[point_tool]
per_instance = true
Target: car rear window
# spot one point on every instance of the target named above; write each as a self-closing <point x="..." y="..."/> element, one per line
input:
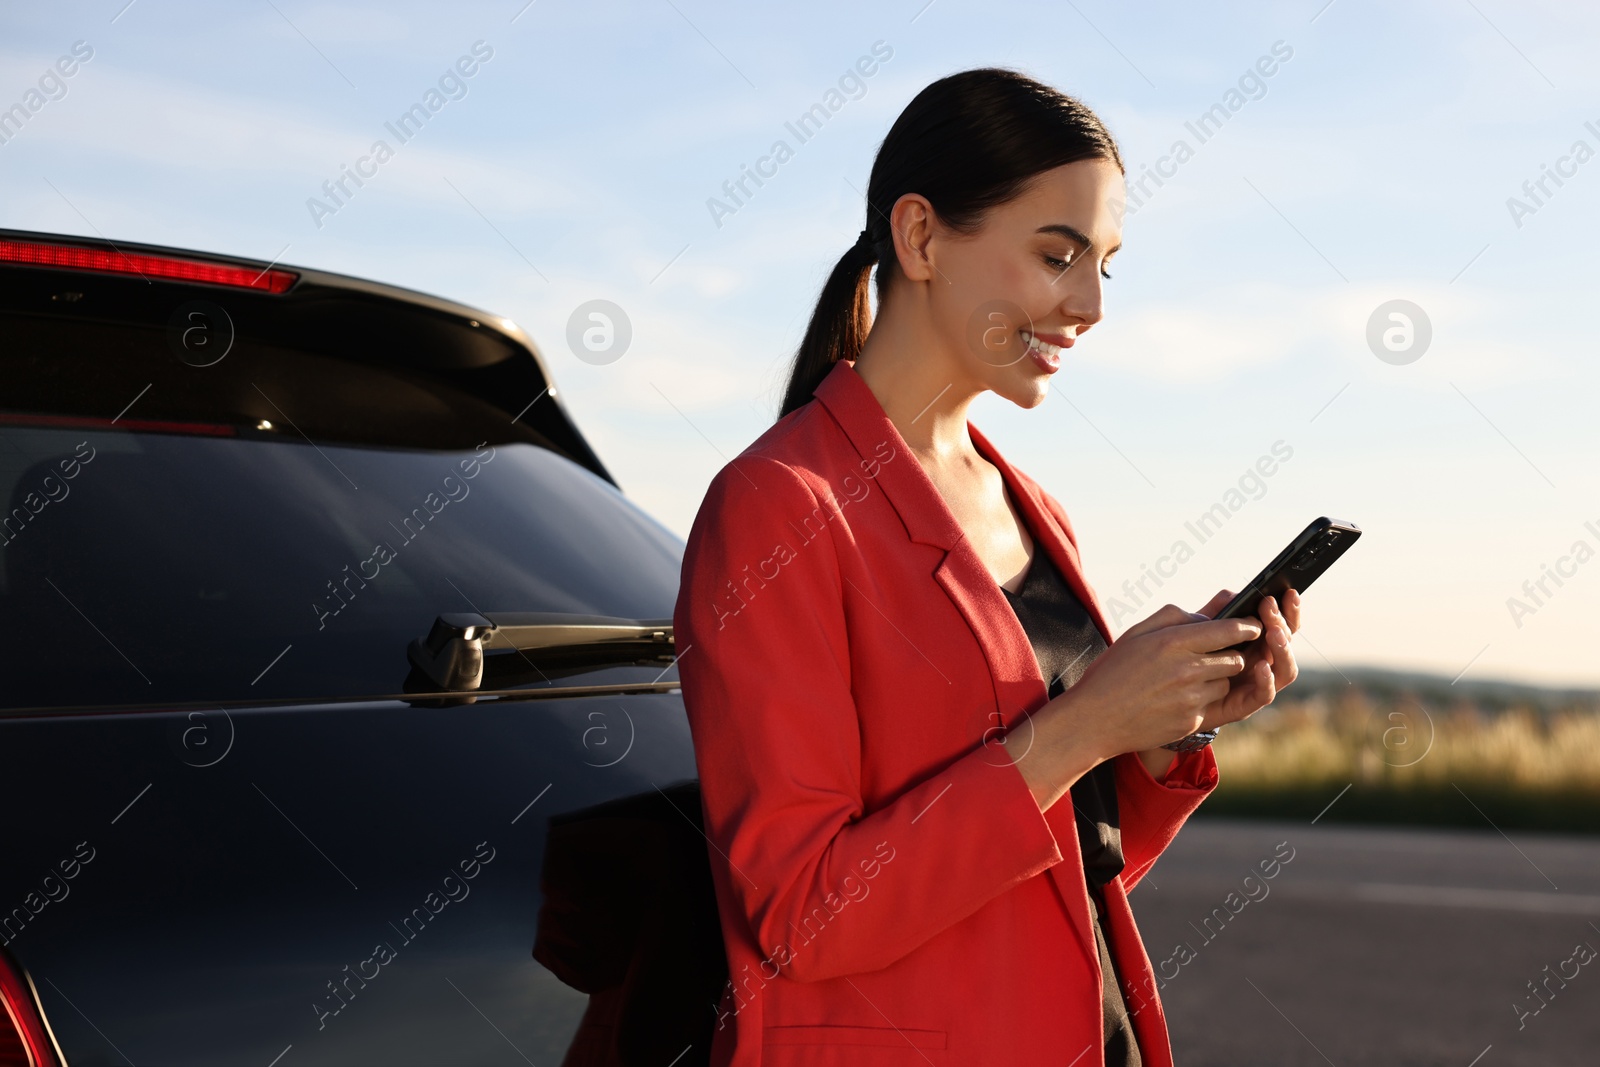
<point x="219" y="565"/>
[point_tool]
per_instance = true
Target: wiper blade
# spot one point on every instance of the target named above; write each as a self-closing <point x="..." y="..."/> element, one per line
<point x="452" y="656"/>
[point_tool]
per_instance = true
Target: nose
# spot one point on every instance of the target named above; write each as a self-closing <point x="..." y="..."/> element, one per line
<point x="1082" y="298"/>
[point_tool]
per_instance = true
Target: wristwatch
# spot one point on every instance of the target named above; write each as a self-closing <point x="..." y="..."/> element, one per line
<point x="1194" y="742"/>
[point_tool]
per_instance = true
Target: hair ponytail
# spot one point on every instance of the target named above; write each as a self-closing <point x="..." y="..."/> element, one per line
<point x="966" y="142"/>
<point x="839" y="323"/>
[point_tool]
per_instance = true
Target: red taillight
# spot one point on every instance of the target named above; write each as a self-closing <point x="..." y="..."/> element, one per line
<point x="25" y="1038"/>
<point x="72" y="257"/>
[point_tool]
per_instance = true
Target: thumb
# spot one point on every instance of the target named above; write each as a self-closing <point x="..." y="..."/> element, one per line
<point x="1217" y="603"/>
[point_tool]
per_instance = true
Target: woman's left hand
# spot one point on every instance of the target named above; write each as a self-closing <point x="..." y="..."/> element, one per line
<point x="1269" y="664"/>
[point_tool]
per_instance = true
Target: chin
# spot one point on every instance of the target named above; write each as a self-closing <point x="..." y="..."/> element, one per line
<point x="1025" y="394"/>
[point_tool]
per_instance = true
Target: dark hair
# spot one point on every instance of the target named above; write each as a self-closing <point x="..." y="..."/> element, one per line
<point x="967" y="142"/>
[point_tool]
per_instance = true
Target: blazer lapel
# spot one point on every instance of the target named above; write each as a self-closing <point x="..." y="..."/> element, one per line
<point x="1051" y="536"/>
<point x="1019" y="687"/>
<point x="928" y="520"/>
<point x="1062" y="818"/>
<point x="1013" y="669"/>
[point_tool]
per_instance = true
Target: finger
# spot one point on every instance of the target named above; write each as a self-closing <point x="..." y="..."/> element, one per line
<point x="1266" y="686"/>
<point x="1214" y="634"/>
<point x="1213" y="693"/>
<point x="1254" y="653"/>
<point x="1278" y="632"/>
<point x="1168" y="615"/>
<point x="1291" y="609"/>
<point x="1221" y="665"/>
<point x="1217" y="603"/>
<point x="1246" y="698"/>
<point x="1220" y="695"/>
<point x="1258" y="692"/>
<point x="1285" y="668"/>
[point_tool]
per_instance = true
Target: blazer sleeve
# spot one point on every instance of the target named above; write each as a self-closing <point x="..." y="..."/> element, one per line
<point x="765" y="666"/>
<point x="1150" y="812"/>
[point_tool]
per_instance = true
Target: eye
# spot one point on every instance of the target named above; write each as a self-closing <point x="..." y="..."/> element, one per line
<point x="1060" y="265"/>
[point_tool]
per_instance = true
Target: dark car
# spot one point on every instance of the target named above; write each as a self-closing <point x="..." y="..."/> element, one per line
<point x="338" y="685"/>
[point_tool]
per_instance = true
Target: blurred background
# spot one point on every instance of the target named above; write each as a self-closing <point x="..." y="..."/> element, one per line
<point x="1370" y="260"/>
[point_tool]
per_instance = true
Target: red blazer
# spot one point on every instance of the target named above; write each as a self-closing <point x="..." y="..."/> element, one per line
<point x="889" y="891"/>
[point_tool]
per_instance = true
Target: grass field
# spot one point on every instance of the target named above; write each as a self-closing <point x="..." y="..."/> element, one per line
<point x="1416" y="749"/>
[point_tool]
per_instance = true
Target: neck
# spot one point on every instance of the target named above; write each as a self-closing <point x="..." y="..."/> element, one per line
<point x="921" y="387"/>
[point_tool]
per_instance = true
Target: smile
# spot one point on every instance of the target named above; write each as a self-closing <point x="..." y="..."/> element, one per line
<point x="1046" y="355"/>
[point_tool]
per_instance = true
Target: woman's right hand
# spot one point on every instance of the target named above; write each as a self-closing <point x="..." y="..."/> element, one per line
<point x="1151" y="686"/>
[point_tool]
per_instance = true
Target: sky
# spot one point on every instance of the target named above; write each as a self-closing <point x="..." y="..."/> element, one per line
<point x="1384" y="159"/>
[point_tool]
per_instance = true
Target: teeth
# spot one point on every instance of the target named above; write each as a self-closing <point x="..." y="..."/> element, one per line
<point x="1042" y="347"/>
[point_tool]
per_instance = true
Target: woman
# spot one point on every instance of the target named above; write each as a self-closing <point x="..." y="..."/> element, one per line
<point x="922" y="849"/>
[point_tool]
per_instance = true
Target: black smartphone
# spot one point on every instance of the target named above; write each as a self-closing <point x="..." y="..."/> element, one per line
<point x="1296" y="567"/>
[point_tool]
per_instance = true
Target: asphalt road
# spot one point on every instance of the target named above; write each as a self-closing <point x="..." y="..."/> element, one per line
<point x="1375" y="946"/>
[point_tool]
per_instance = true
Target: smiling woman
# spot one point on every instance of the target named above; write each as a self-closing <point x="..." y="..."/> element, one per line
<point x="935" y="675"/>
<point x="1017" y="141"/>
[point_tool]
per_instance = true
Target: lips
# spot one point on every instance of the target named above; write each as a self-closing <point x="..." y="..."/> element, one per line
<point x="1046" y="349"/>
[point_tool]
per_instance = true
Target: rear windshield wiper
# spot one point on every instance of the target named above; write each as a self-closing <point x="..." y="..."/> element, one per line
<point x="529" y="646"/>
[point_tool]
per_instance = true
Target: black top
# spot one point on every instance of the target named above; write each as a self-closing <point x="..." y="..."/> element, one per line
<point x="1065" y="641"/>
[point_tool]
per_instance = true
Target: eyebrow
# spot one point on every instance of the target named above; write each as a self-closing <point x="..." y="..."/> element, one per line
<point x="1075" y="234"/>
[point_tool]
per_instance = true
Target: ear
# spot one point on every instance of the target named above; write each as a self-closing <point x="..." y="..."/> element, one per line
<point x="913" y="222"/>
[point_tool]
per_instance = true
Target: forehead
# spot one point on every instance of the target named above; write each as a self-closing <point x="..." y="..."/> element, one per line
<point x="1088" y="196"/>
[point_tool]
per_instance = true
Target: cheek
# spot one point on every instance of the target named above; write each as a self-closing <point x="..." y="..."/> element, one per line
<point x="987" y="267"/>
<point x="988" y="286"/>
<point x="981" y="279"/>
<point x="1018" y="273"/>
<point x="1008" y="272"/>
<point x="1042" y="290"/>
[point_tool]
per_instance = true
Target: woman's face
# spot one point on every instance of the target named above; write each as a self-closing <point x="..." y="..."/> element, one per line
<point x="1011" y="299"/>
